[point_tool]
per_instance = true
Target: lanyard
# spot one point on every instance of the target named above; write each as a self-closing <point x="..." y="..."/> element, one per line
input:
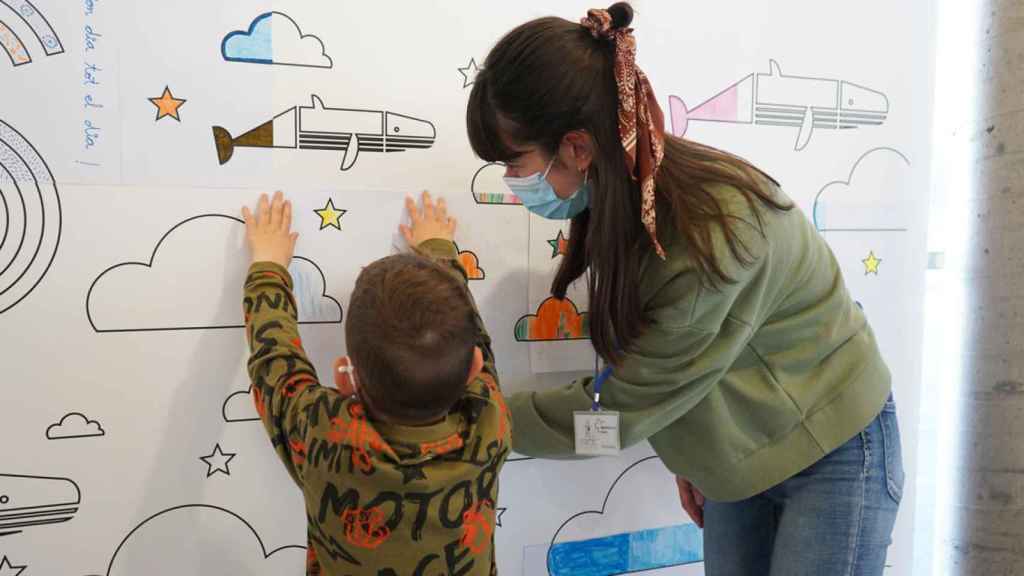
<point x="598" y="381"/>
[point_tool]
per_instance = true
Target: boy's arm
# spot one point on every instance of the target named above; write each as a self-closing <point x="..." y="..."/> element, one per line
<point x="284" y="383"/>
<point x="446" y="253"/>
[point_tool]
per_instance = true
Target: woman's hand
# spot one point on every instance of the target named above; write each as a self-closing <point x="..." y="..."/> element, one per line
<point x="693" y="501"/>
<point x="269" y="230"/>
<point x="429" y="222"/>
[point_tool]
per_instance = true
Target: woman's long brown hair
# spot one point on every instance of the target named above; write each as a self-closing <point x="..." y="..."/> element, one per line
<point x="548" y="77"/>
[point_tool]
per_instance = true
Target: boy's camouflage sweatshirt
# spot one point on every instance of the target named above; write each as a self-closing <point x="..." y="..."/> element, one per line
<point x="381" y="499"/>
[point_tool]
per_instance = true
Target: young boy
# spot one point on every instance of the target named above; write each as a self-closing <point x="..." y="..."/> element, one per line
<point x="399" y="465"/>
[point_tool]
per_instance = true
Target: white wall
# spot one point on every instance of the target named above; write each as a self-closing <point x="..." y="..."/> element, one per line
<point x="125" y="180"/>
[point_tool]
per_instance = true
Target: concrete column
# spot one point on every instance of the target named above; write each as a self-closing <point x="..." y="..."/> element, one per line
<point x="988" y="526"/>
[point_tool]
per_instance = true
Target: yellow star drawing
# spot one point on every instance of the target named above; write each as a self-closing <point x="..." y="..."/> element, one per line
<point x="167" y="105"/>
<point x="329" y="215"/>
<point x="871" y="264"/>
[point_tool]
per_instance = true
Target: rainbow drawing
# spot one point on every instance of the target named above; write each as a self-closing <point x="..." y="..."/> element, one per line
<point x="13" y="46"/>
<point x="11" y="43"/>
<point x="30" y="217"/>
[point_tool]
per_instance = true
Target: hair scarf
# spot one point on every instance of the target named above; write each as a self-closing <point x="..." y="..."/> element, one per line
<point x="641" y="121"/>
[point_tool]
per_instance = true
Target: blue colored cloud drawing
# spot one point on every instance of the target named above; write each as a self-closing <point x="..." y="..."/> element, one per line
<point x="627" y="535"/>
<point x="274" y="38"/>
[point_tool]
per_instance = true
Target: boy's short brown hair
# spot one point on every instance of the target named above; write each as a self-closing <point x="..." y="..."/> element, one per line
<point x="411" y="332"/>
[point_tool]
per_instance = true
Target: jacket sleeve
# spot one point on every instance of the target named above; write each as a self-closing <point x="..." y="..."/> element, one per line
<point x="285" y="388"/>
<point x="446" y="253"/>
<point x="691" y="341"/>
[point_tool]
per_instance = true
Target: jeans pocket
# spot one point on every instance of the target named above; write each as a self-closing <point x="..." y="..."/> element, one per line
<point x="894" y="474"/>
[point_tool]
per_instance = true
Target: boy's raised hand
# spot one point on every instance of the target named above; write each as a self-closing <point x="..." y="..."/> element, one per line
<point x="269" y="230"/>
<point x="427" y="222"/>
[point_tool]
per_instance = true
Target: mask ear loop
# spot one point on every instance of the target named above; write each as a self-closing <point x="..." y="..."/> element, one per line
<point x="548" y="169"/>
<point x="586" y="176"/>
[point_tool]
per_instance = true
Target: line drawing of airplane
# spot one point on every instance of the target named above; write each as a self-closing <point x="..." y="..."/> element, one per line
<point x="27" y="501"/>
<point x="775" y="99"/>
<point x="317" y="127"/>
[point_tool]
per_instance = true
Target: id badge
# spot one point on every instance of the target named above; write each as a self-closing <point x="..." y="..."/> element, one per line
<point x="596" y="432"/>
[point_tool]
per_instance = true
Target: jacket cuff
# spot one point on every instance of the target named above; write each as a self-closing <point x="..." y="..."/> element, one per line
<point x="438" y="249"/>
<point x="273" y="267"/>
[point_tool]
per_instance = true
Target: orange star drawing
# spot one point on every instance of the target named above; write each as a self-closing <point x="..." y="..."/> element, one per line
<point x="167" y="105"/>
<point x="559" y="245"/>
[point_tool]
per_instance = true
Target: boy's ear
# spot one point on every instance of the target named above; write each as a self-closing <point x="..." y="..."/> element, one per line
<point x="478" y="364"/>
<point x="344" y="377"/>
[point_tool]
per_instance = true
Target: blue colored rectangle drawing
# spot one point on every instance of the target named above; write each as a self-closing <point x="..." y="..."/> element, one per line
<point x="627" y="552"/>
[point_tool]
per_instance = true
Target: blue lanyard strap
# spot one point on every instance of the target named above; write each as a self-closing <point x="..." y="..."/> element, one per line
<point x="598" y="381"/>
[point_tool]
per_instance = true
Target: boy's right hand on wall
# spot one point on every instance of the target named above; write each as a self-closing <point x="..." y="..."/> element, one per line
<point x="269" y="230"/>
<point x="427" y="222"/>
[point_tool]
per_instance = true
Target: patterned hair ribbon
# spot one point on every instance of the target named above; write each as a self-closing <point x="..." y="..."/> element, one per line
<point x="641" y="121"/>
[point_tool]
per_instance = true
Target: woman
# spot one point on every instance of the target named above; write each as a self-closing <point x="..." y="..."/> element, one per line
<point x="733" y="344"/>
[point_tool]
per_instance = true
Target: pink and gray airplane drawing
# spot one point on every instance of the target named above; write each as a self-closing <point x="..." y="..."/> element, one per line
<point x="774" y="99"/>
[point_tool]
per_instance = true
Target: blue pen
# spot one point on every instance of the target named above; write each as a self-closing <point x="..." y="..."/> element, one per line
<point x="598" y="381"/>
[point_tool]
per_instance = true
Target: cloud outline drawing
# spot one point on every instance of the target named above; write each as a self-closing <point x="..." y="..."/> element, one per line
<point x="80" y="427"/>
<point x="149" y="265"/>
<point x="482" y="179"/>
<point x="564" y="564"/>
<point x="526" y="329"/>
<point x="237" y="404"/>
<point x="818" y="207"/>
<point x="471" y="263"/>
<point x="195" y="509"/>
<point x="256" y="46"/>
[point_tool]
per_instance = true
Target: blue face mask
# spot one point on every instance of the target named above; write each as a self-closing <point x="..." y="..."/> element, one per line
<point x="539" y="197"/>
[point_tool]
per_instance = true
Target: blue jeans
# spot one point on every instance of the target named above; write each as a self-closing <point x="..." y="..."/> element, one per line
<point x="835" y="518"/>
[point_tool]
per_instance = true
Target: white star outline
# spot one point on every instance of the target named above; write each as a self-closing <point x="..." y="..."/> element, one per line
<point x="217" y="461"/>
<point x="8" y="569"/>
<point x="469" y="72"/>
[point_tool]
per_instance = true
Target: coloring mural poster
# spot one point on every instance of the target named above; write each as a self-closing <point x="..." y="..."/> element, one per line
<point x="131" y="133"/>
